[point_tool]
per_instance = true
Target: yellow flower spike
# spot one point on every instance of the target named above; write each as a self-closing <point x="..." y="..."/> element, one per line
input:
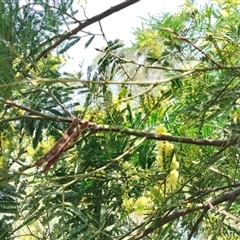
<point x="142" y="201"/>
<point x="139" y="211"/>
<point x="159" y="189"/>
<point x="174" y="158"/>
<point x="30" y="151"/>
<point x="160" y="147"/>
<point x="168" y="147"/>
<point x="128" y="203"/>
<point x="173" y="176"/>
<point x="49" y="143"/>
<point x="165" y="146"/>
<point x="174" y="163"/>
<point x="160" y="129"/>
<point x="172" y="179"/>
<point x="160" y="162"/>
<point x="141" y="205"/>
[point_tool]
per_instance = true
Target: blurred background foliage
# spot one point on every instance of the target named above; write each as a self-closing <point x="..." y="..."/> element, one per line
<point x="110" y="185"/>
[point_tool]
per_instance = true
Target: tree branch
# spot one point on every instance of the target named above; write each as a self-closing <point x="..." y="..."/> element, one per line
<point x="86" y="23"/>
<point x="228" y="196"/>
<point x="130" y="131"/>
<point x="225" y="213"/>
<point x="32" y="111"/>
<point x="154" y="136"/>
<point x="178" y="36"/>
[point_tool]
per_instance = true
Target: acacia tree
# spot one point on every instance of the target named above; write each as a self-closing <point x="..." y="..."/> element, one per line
<point x="141" y="158"/>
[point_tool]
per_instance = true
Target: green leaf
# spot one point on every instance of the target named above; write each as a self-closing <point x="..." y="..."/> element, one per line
<point x="75" y="40"/>
<point x="89" y="41"/>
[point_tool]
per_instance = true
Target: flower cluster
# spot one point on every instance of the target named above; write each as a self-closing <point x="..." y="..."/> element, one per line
<point x="141" y="205"/>
<point x="167" y="160"/>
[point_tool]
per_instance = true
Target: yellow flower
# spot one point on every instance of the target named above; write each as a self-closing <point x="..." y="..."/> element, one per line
<point x="165" y="146"/>
<point x="142" y="201"/>
<point x="160" y="129"/>
<point x="173" y="176"/>
<point x="30" y="150"/>
<point x="141" y="205"/>
<point x="174" y="163"/>
<point x="160" y="147"/>
<point x="160" y="162"/>
<point x="128" y="203"/>
<point x="172" y="179"/>
<point x="158" y="190"/>
<point x="168" y="147"/>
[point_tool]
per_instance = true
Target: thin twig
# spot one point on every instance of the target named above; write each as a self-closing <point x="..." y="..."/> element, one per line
<point x="224" y="212"/>
<point x="192" y="44"/>
<point x="45" y="116"/>
<point x="103" y="34"/>
<point x="35" y="117"/>
<point x="49" y="92"/>
<point x="208" y="191"/>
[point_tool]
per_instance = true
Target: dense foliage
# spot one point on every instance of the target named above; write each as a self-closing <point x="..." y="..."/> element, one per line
<point x="156" y="151"/>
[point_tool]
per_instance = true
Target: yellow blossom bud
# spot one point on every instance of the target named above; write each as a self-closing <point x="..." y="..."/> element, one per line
<point x="160" y="129"/>
<point x="30" y="150"/>
<point x="168" y="147"/>
<point x="142" y="201"/>
<point x="141" y="205"/>
<point x="165" y="146"/>
<point x="174" y="163"/>
<point x="128" y="203"/>
<point x="158" y="189"/>
<point x="159" y="158"/>
<point x="160" y="147"/>
<point x="172" y="179"/>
